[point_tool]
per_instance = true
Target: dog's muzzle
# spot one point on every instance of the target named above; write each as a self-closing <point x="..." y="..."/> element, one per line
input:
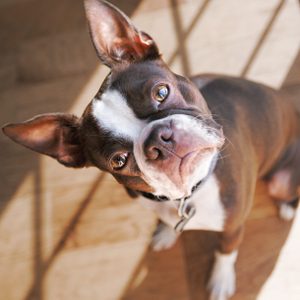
<point x="171" y="147"/>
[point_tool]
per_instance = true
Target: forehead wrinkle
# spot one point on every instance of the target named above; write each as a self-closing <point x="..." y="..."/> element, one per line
<point x="113" y="114"/>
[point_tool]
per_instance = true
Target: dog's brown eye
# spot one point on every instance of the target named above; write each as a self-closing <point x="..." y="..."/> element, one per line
<point x="119" y="160"/>
<point x="161" y="92"/>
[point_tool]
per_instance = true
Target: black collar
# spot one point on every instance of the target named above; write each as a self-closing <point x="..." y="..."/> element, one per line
<point x="165" y="198"/>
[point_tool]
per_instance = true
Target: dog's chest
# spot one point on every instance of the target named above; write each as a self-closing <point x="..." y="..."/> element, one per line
<point x="210" y="212"/>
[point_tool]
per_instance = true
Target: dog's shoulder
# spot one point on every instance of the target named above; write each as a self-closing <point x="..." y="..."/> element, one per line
<point x="257" y="106"/>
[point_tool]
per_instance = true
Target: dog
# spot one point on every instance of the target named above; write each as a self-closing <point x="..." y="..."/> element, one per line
<point x="192" y="150"/>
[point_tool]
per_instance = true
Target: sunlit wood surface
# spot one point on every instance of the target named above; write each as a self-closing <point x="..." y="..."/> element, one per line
<point x="75" y="234"/>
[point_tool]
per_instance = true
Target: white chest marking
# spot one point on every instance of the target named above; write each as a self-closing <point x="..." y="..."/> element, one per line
<point x="113" y="114"/>
<point x="210" y="213"/>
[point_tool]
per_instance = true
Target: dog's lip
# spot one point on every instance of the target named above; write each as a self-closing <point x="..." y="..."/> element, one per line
<point x="189" y="191"/>
<point x="186" y="165"/>
<point x="190" y="158"/>
<point x="193" y="189"/>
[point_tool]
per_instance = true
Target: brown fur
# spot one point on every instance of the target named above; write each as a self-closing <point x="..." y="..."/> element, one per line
<point x="262" y="132"/>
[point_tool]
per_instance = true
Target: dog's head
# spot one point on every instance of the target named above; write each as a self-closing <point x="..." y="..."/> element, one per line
<point x="150" y="128"/>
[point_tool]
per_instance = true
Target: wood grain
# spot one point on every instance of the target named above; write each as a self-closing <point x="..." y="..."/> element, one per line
<point x="75" y="234"/>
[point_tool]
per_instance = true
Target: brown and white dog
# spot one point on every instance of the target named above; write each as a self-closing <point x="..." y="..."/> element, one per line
<point x="194" y="147"/>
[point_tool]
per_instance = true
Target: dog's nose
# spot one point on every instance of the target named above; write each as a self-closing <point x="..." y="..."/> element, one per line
<point x="160" y="143"/>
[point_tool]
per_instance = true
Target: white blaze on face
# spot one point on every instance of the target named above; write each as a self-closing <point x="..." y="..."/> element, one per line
<point x="113" y="114"/>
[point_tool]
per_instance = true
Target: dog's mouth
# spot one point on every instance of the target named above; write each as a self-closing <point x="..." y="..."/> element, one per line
<point x="175" y="154"/>
<point x="189" y="161"/>
<point x="163" y="198"/>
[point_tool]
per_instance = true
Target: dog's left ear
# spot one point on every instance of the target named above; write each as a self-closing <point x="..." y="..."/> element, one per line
<point x="114" y="36"/>
<point x="56" y="135"/>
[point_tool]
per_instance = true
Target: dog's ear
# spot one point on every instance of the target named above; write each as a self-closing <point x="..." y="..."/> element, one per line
<point x="114" y="36"/>
<point x="56" y="135"/>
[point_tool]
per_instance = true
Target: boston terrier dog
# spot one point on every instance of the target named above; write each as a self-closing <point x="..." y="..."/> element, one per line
<point x="190" y="149"/>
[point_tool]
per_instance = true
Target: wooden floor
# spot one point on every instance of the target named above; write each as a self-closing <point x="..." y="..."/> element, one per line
<point x="75" y="234"/>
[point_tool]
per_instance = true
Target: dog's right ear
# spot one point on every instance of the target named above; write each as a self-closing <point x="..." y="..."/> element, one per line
<point x="56" y="135"/>
<point x="114" y="36"/>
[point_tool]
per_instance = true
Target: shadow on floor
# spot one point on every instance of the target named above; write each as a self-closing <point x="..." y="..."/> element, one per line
<point x="258" y="255"/>
<point x="15" y="110"/>
<point x="167" y="278"/>
<point x="182" y="270"/>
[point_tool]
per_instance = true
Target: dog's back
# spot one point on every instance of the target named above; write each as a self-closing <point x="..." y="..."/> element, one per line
<point x="256" y="116"/>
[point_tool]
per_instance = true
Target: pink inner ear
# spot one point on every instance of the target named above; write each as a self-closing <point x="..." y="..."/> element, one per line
<point x="145" y="38"/>
<point x="55" y="135"/>
<point x="37" y="134"/>
<point x="132" y="50"/>
<point x="126" y="50"/>
<point x="115" y="37"/>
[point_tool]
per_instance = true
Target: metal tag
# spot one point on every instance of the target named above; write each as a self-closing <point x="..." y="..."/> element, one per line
<point x="185" y="212"/>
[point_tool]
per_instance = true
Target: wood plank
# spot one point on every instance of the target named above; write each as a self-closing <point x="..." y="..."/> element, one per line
<point x="265" y="236"/>
<point x="69" y="234"/>
<point x="160" y="275"/>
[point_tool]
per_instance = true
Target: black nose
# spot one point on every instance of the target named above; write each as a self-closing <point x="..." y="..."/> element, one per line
<point x="159" y="144"/>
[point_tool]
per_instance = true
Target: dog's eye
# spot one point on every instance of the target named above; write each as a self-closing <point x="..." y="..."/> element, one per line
<point x="118" y="161"/>
<point x="161" y="92"/>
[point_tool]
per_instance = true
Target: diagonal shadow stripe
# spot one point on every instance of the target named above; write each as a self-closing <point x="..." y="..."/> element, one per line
<point x="36" y="288"/>
<point x="185" y="34"/>
<point x="262" y="39"/>
<point x="180" y="36"/>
